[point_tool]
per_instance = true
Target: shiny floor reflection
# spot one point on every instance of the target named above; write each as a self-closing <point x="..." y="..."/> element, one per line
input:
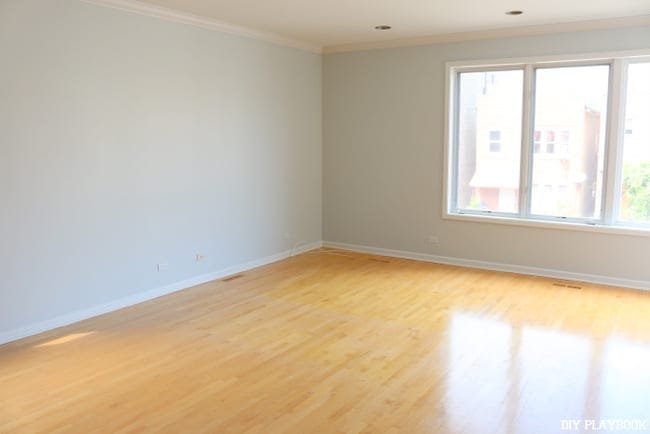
<point x="338" y="342"/>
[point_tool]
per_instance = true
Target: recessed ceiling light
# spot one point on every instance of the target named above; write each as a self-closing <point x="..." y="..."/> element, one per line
<point x="514" y="12"/>
<point x="383" y="27"/>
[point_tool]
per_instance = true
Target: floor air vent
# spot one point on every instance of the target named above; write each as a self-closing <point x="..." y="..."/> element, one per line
<point x="565" y="285"/>
<point x="229" y="278"/>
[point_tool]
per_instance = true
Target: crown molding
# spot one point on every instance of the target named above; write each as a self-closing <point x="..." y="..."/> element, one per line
<point x="143" y="8"/>
<point x="542" y="29"/>
<point x="163" y="13"/>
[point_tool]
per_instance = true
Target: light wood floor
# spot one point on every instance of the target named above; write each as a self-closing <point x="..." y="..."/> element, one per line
<point x="338" y="342"/>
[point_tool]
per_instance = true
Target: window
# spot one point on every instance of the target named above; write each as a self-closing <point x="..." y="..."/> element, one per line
<point x="550" y="142"/>
<point x="575" y="97"/>
<point x="489" y="138"/>
<point x="635" y="184"/>
<point x="563" y="142"/>
<point x="537" y="141"/>
<point x="545" y="141"/>
<point x="495" y="141"/>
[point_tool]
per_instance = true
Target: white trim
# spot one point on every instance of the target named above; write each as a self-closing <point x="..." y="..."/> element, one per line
<point x="550" y="60"/>
<point x="449" y="135"/>
<point x="495" y="266"/>
<point x="527" y="132"/>
<point x="173" y="15"/>
<point x="142" y="8"/>
<point x="614" y="151"/>
<point x="542" y="29"/>
<point x="636" y="231"/>
<point x="70" y="318"/>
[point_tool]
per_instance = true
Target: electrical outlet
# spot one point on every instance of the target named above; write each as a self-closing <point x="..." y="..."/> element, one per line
<point x="433" y="239"/>
<point x="162" y="267"/>
<point x="287" y="236"/>
<point x="199" y="257"/>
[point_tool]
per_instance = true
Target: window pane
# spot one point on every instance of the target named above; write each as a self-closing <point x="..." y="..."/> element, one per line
<point x="570" y="104"/>
<point x="489" y="140"/>
<point x="635" y="194"/>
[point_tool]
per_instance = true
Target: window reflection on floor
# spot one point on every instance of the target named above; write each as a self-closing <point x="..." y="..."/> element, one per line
<point x="625" y="390"/>
<point x="478" y="372"/>
<point x="554" y="369"/>
<point x="528" y="379"/>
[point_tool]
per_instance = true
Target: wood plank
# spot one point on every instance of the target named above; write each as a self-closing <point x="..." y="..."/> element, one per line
<point x="333" y="341"/>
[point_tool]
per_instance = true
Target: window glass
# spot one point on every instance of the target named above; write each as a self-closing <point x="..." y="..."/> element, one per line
<point x="489" y="140"/>
<point x="635" y="182"/>
<point x="571" y="109"/>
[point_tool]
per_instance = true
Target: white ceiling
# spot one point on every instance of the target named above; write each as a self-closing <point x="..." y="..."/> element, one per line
<point x="331" y="23"/>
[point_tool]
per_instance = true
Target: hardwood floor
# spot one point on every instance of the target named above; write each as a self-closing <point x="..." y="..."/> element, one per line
<point x="339" y="342"/>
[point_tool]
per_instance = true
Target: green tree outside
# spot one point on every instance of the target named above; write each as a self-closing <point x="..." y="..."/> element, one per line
<point x="636" y="191"/>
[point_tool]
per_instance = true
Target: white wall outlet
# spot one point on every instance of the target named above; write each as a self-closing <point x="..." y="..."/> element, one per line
<point x="199" y="257"/>
<point x="433" y="239"/>
<point x="287" y="236"/>
<point x="162" y="267"/>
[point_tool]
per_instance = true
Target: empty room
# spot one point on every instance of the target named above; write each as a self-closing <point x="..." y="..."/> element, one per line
<point x="344" y="216"/>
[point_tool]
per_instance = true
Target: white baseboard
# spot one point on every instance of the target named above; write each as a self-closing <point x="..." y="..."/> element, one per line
<point x="495" y="266"/>
<point x="140" y="297"/>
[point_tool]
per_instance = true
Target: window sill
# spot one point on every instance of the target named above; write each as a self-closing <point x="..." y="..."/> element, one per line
<point x="544" y="224"/>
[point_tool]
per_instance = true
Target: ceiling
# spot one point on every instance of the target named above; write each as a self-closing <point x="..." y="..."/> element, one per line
<point x="331" y="23"/>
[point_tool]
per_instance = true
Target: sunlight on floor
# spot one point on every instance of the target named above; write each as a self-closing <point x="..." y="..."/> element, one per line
<point x="65" y="339"/>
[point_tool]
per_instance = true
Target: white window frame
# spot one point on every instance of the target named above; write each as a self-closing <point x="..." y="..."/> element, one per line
<point x="613" y="148"/>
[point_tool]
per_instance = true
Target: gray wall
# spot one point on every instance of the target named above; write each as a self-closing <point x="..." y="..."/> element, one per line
<point x="383" y="159"/>
<point x="127" y="141"/>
